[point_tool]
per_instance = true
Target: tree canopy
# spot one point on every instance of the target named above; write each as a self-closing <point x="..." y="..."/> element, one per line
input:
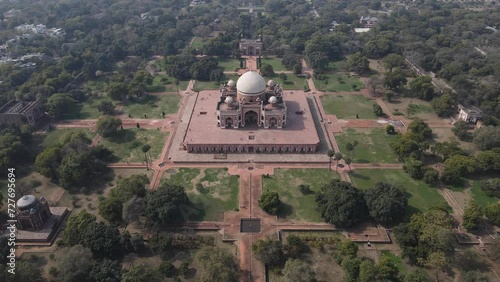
<point x="166" y="204"/>
<point x="386" y="203"/>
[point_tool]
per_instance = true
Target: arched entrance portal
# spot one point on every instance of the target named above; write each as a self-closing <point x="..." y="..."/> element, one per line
<point x="273" y="122"/>
<point x="251" y="118"/>
<point x="229" y="122"/>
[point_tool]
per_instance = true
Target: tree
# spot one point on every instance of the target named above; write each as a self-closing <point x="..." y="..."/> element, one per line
<point x="420" y="129"/>
<point x="47" y="162"/>
<point x="142" y="273"/>
<point x="318" y="61"/>
<point x="267" y="70"/>
<point x="367" y="271"/>
<point x="349" y="147"/>
<point x="330" y="155"/>
<point x="472" y="216"/>
<point x="474" y="276"/>
<point x="184" y="268"/>
<point x="166" y="204"/>
<point x="416" y="275"/>
<point x="461" y="163"/>
<point x="358" y="63"/>
<point x="492" y="212"/>
<point x="386" y="269"/>
<point x="167" y="269"/>
<point x="460" y="129"/>
<point x="438" y="261"/>
<point x="304" y="189"/>
<point x="58" y="104"/>
<point x="348" y="248"/>
<point x="75" y="227"/>
<point x="74" y="264"/>
<point x="216" y="75"/>
<point x="348" y="162"/>
<point x="218" y="265"/>
<point x="102" y="239"/>
<point x="386" y="203"/>
<point x="106" y="107"/>
<point x="395" y="79"/>
<point x="108" y="126"/>
<point x="354" y="145"/>
<point x="422" y="87"/>
<point x="488" y="161"/>
<point x="444" y="106"/>
<point x="24" y="271"/>
<point x="106" y="270"/>
<point x="117" y="90"/>
<point x="268" y="251"/>
<point x="129" y="187"/>
<point x="392" y="61"/>
<point x="389" y="129"/>
<point x="298" y="271"/>
<point x="377" y="110"/>
<point x="451" y="176"/>
<point x="270" y="202"/>
<point x="294" y="246"/>
<point x="111" y="209"/>
<point x="487" y="138"/>
<point x="145" y="148"/>
<point x="414" y="167"/>
<point x="341" y="203"/>
<point x="78" y="169"/>
<point x="411" y="109"/>
<point x="133" y="209"/>
<point x="431" y="176"/>
<point x="337" y="157"/>
<point x="351" y="268"/>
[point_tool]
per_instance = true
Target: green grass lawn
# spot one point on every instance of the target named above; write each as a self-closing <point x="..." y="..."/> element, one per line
<point x="421" y="196"/>
<point x="87" y="109"/>
<point x="292" y="81"/>
<point x="96" y="85"/>
<point x="126" y="145"/>
<point x="206" y="85"/>
<point x="53" y="137"/>
<point x="221" y="194"/>
<point x="275" y="63"/>
<point x="348" y="106"/>
<point x="479" y="195"/>
<point x="297" y="206"/>
<point x="153" y="106"/>
<point x="396" y="260"/>
<point x="198" y="42"/>
<point x="167" y="86"/>
<point x="373" y="145"/>
<point x="338" y="82"/>
<point x="229" y="64"/>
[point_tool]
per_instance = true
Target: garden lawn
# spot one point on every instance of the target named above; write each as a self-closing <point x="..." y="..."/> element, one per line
<point x="198" y="42"/>
<point x="338" y="82"/>
<point x="167" y="86"/>
<point x="127" y="143"/>
<point x="348" y="106"/>
<point x="297" y="206"/>
<point x="479" y="195"/>
<point x="275" y="63"/>
<point x="86" y="109"/>
<point x="221" y="191"/>
<point x="153" y="106"/>
<point x="292" y="81"/>
<point x="53" y="137"/>
<point x="206" y="85"/>
<point x="421" y="196"/>
<point x="396" y="260"/>
<point x="373" y="145"/>
<point x="96" y="85"/>
<point x="229" y="64"/>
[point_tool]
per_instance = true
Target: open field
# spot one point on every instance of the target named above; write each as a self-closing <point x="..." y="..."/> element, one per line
<point x="445" y="134"/>
<point x="297" y="206"/>
<point x="53" y="137"/>
<point x="198" y="42"/>
<point x="348" y="106"/>
<point x="292" y="81"/>
<point x="220" y="195"/>
<point x="85" y="110"/>
<point x="423" y="111"/>
<point x="126" y="145"/>
<point x="167" y="85"/>
<point x="229" y="64"/>
<point x="338" y="82"/>
<point x="275" y="63"/>
<point x="206" y="85"/>
<point x="421" y="196"/>
<point x="153" y="106"/>
<point x="373" y="145"/>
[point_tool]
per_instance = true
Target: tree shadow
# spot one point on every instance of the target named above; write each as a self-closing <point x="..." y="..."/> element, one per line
<point x="360" y="176"/>
<point x="123" y="136"/>
<point x="285" y="210"/>
<point x="191" y="273"/>
<point x="362" y="161"/>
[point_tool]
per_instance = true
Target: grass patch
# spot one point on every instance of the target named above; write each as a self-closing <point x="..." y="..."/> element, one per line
<point x="275" y="63"/>
<point x="479" y="195"/>
<point x="198" y="42"/>
<point x="167" y="85"/>
<point x="338" y="82"/>
<point x="153" y="106"/>
<point x="348" y="106"/>
<point x="53" y="137"/>
<point x="421" y="196"/>
<point x="86" y="109"/>
<point x="221" y="191"/>
<point x="96" y="85"/>
<point x="229" y="64"/>
<point x="373" y="145"/>
<point x="297" y="206"/>
<point x="292" y="81"/>
<point x="206" y="85"/>
<point x="395" y="260"/>
<point x="126" y="145"/>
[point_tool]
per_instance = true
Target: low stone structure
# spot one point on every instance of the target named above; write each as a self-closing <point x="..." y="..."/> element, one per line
<point x="469" y="114"/>
<point x="251" y="47"/>
<point x="17" y="113"/>
<point x="32" y="213"/>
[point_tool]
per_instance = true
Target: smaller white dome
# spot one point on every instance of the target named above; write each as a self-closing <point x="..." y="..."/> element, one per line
<point x="271" y="83"/>
<point x="228" y="100"/>
<point x="273" y="100"/>
<point x="231" y="83"/>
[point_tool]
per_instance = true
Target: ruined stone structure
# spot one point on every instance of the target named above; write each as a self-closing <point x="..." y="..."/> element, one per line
<point x="17" y="113"/>
<point x="251" y="47"/>
<point x="32" y="213"/>
<point x="251" y="101"/>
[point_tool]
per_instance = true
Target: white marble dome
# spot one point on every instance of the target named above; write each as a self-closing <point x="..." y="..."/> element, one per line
<point x="271" y="83"/>
<point x="273" y="100"/>
<point x="231" y="83"/>
<point x="26" y="201"/>
<point x="228" y="100"/>
<point x="251" y="83"/>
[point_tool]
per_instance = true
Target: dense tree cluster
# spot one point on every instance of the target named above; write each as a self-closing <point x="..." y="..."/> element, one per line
<point x="168" y="203"/>
<point x="218" y="265"/>
<point x="270" y="202"/>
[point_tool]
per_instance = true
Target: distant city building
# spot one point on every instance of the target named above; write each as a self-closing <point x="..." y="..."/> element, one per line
<point x="195" y="3"/>
<point x="12" y="13"/>
<point x="40" y="29"/>
<point x="368" y="22"/>
<point x="32" y="213"/>
<point x="469" y="114"/>
<point x="251" y="47"/>
<point x="17" y="113"/>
